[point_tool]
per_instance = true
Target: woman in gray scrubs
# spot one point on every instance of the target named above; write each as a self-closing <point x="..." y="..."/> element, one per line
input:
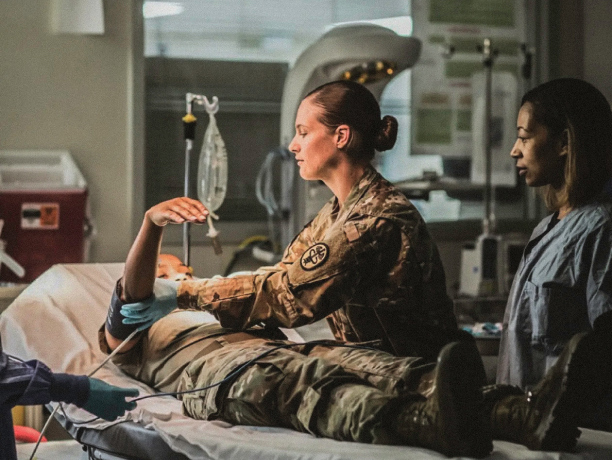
<point x="564" y="282"/>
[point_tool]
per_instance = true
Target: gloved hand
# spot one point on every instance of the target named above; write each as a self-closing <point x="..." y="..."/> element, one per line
<point x="146" y="312"/>
<point x="108" y="401"/>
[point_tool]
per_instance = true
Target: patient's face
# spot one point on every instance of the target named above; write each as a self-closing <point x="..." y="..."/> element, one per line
<point x="171" y="268"/>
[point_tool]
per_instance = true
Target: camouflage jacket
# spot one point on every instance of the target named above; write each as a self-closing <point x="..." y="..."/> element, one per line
<point x="369" y="266"/>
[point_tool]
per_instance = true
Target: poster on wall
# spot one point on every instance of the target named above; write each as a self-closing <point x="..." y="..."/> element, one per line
<point x="448" y="91"/>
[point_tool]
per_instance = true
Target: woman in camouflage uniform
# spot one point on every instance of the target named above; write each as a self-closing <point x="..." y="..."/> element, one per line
<point x="366" y="262"/>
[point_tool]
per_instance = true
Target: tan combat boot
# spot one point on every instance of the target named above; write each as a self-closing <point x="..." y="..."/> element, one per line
<point x="546" y="418"/>
<point x="450" y="419"/>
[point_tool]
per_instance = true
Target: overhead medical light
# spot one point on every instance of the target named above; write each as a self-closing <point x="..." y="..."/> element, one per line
<point x="362" y="52"/>
<point x="369" y="72"/>
<point x="401" y="25"/>
<point x="152" y="10"/>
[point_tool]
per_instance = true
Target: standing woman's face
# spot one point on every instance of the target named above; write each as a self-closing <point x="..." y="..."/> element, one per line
<point x="540" y="158"/>
<point x="315" y="147"/>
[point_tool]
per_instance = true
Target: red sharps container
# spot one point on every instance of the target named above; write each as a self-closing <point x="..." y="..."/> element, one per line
<point x="43" y="203"/>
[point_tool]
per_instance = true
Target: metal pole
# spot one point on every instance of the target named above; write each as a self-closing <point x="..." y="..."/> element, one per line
<point x="487" y="61"/>
<point x="189" y="123"/>
<point x="186" y="227"/>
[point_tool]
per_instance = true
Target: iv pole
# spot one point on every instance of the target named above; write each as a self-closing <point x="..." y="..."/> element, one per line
<point x="189" y="124"/>
<point x="488" y="222"/>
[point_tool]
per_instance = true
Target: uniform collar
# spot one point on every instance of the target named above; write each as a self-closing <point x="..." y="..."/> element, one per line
<point x="360" y="187"/>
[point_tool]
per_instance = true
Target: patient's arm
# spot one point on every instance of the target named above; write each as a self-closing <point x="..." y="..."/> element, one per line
<point x="141" y="264"/>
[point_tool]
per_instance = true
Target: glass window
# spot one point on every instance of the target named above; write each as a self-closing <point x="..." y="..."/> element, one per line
<point x="239" y="51"/>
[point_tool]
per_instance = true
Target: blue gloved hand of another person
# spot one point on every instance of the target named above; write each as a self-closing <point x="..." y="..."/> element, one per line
<point x="108" y="401"/>
<point x="146" y="312"/>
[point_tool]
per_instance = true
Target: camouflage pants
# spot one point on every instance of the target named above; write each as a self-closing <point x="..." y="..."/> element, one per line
<point x="342" y="393"/>
<point x="336" y="392"/>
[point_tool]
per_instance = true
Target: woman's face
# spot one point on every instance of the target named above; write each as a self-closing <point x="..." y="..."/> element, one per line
<point x="314" y="146"/>
<point x="170" y="267"/>
<point x="540" y="158"/>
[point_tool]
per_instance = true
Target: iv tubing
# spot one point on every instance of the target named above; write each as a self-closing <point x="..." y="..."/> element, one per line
<point x="189" y="123"/>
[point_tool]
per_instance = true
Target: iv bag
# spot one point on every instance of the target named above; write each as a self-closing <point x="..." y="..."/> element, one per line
<point x="212" y="167"/>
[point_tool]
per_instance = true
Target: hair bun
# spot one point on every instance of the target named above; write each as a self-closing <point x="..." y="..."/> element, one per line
<point x="386" y="133"/>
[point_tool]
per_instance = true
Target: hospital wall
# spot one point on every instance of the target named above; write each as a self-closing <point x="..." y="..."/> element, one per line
<point x="81" y="93"/>
<point x="597" y="44"/>
<point x="580" y="36"/>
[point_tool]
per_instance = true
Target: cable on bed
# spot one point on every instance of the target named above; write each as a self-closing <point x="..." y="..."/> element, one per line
<point x="231" y="375"/>
<point x="108" y="358"/>
<point x="252" y="361"/>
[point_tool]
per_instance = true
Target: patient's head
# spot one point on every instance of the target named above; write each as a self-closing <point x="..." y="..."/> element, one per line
<point x="170" y="267"/>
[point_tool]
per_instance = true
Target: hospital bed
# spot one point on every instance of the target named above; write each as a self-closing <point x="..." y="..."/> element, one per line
<point x="56" y="319"/>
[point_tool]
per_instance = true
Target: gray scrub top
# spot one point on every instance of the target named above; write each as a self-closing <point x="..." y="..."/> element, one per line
<point x="563" y="283"/>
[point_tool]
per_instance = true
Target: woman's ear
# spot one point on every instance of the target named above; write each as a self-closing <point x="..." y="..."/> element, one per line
<point x="343" y="136"/>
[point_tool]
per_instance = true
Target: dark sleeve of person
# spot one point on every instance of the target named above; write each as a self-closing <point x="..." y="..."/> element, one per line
<point x="31" y="382"/>
<point x="114" y="319"/>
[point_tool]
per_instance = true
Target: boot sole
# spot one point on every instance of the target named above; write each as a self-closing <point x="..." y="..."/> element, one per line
<point x="460" y="377"/>
<point x="581" y="387"/>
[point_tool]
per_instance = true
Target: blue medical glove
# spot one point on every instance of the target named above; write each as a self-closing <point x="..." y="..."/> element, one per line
<point x="108" y="401"/>
<point x="146" y="312"/>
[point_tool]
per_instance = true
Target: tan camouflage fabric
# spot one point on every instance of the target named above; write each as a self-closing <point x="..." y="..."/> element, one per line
<point x="166" y="348"/>
<point x="342" y="393"/>
<point x="369" y="266"/>
<point x="333" y="391"/>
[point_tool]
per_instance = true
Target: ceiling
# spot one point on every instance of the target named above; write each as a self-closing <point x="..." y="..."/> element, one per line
<point x="256" y="30"/>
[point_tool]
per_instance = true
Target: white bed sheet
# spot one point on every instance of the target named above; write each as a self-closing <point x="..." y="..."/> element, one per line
<point x="56" y="320"/>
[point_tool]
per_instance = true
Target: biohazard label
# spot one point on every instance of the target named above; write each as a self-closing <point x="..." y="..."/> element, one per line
<point x="43" y="216"/>
<point x="314" y="256"/>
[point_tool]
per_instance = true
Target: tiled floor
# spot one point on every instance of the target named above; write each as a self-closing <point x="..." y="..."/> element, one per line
<point x="52" y="450"/>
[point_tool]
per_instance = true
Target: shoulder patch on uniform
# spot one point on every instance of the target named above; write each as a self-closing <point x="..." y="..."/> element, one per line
<point x="351" y="231"/>
<point x="315" y="256"/>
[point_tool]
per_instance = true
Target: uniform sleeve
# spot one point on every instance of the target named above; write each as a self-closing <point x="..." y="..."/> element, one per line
<point x="31" y="382"/>
<point x="599" y="282"/>
<point x="313" y="280"/>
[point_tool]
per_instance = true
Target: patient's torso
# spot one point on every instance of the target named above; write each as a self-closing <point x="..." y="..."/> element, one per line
<point x="172" y="343"/>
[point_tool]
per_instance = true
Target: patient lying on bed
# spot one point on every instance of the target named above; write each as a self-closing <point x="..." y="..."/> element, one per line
<point x="336" y="390"/>
<point x="173" y="354"/>
<point x="355" y="394"/>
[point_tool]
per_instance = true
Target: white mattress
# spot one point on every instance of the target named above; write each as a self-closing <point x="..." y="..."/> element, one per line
<point x="56" y="320"/>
